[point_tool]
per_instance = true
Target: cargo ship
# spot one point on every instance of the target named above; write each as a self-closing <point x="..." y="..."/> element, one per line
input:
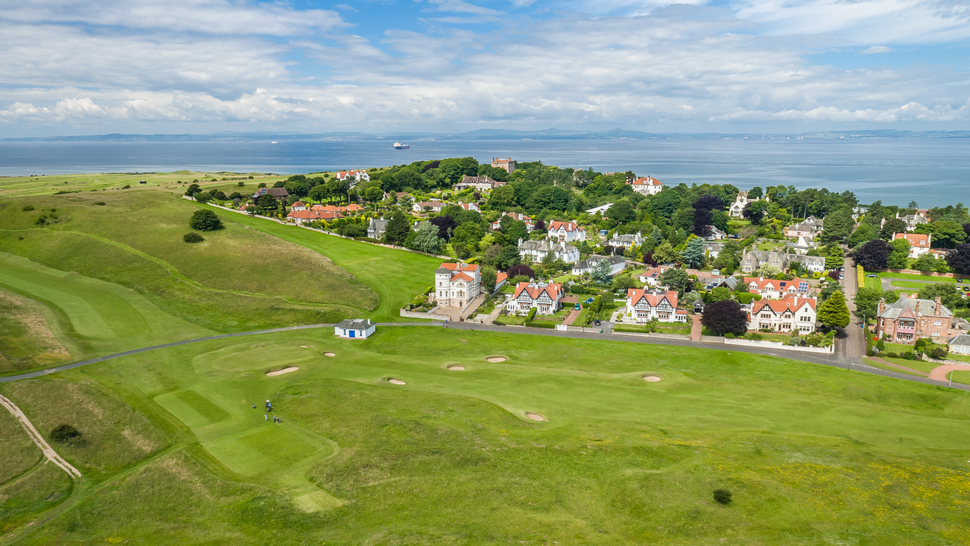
<point x="399" y="146"/>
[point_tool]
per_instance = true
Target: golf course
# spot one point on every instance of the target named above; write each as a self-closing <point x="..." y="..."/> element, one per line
<point x="419" y="434"/>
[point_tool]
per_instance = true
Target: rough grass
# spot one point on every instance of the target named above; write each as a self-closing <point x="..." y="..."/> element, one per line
<point x="808" y="451"/>
<point x="396" y="276"/>
<point x="18" y="453"/>
<point x="114" y="434"/>
<point x="27" y="338"/>
<point x="30" y="495"/>
<point x="108" y="184"/>
<point x="138" y="238"/>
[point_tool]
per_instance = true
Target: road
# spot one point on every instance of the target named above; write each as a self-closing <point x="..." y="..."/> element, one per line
<point x="826" y="360"/>
<point x="852" y="344"/>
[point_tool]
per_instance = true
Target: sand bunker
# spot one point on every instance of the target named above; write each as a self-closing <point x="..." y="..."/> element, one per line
<point x="652" y="378"/>
<point x="495" y="359"/>
<point x="393" y="381"/>
<point x="329" y="354"/>
<point x="456" y="368"/>
<point x="303" y="346"/>
<point x="534" y="416"/>
<point x="283" y="371"/>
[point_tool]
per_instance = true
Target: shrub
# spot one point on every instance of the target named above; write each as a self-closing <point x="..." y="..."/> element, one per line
<point x="192" y="237"/>
<point x="891" y="354"/>
<point x="755" y="336"/>
<point x="722" y="496"/>
<point x="66" y="434"/>
<point x="532" y="314"/>
<point x="241" y="184"/>
<point x="27" y="208"/>
<point x="729" y="335"/>
<point x="100" y="204"/>
<point x="126" y="187"/>
<point x="938" y="353"/>
<point x="205" y="220"/>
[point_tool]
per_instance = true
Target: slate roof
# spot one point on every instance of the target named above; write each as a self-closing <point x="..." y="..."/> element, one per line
<point x="355" y="324"/>
<point x="926" y="308"/>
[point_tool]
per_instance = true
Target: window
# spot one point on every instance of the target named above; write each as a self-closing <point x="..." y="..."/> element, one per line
<point x="937" y="322"/>
<point x="935" y="334"/>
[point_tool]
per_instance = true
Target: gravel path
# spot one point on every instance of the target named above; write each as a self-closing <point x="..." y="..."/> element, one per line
<point x="49" y="452"/>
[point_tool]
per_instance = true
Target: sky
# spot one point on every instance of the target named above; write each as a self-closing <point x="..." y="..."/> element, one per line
<point x="72" y="67"/>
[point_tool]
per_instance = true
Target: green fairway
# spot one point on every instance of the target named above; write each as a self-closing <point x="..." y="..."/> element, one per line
<point x="452" y="456"/>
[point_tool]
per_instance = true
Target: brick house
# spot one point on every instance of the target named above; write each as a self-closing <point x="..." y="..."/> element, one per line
<point x="792" y="314"/>
<point x="646" y="305"/>
<point x="545" y="297"/>
<point x="457" y="284"/>
<point x="909" y="319"/>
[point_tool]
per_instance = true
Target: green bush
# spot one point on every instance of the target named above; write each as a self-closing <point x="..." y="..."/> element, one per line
<point x="722" y="496"/>
<point x="891" y="354"/>
<point x="938" y="353"/>
<point x="100" y="204"/>
<point x="205" y="220"/>
<point x="192" y="237"/>
<point x="754" y="336"/>
<point x="66" y="434"/>
<point x="532" y="314"/>
<point x="540" y="324"/>
<point x="729" y="335"/>
<point x="27" y="208"/>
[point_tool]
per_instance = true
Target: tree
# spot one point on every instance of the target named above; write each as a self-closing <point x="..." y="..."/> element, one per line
<point x="665" y="253"/>
<point x="502" y="197"/>
<point x="899" y="257"/>
<point x="873" y="255"/>
<point x="833" y="312"/>
<point x="192" y="237"/>
<point x="65" y="434"/>
<point x="469" y="233"/>
<point x="836" y="226"/>
<point x="867" y="301"/>
<point x="267" y="202"/>
<point x="891" y="227"/>
<point x="865" y="232"/>
<point x="520" y="270"/>
<point x="755" y="211"/>
<point x="693" y="254"/>
<point x="515" y="230"/>
<point x="675" y="279"/>
<point x="948" y="293"/>
<point x="397" y="229"/>
<point x="725" y="317"/>
<point x="205" y="220"/>
<point x="446" y="226"/>
<point x="622" y="212"/>
<point x="602" y="274"/>
<point x="959" y="259"/>
<point x="508" y="257"/>
<point x="720" y="293"/>
<point x="489" y="278"/>
<point x="768" y="271"/>
<point x="373" y="194"/>
<point x="925" y="263"/>
<point x="426" y="239"/>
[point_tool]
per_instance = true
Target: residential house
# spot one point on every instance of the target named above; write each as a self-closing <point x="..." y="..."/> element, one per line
<point x="617" y="264"/>
<point x="500" y="280"/>
<point x="807" y="228"/>
<point x="376" y="228"/>
<point x="508" y="165"/>
<point x="913" y="220"/>
<point x="646" y="305"/>
<point x="651" y="277"/>
<point x="529" y="225"/>
<point x="535" y="251"/>
<point x="457" y="284"/>
<point x="625" y="241"/>
<point x="802" y="246"/>
<point x="478" y="183"/>
<point x="355" y="329"/>
<point x="714" y="234"/>
<point x="909" y="319"/>
<point x="566" y="232"/>
<point x="600" y="209"/>
<point x="960" y="345"/>
<point x="299" y="205"/>
<point x="431" y="206"/>
<point x="754" y="259"/>
<point x="777" y="289"/>
<point x="792" y="314"/>
<point x="737" y="208"/>
<point x="713" y="248"/>
<point x="647" y="185"/>
<point x="305" y="216"/>
<point x="353" y="176"/>
<point x="710" y="282"/>
<point x="278" y="193"/>
<point x="919" y="243"/>
<point x="467" y="206"/>
<point x="546" y="298"/>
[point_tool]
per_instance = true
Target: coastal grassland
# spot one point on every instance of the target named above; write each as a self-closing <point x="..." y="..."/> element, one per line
<point x="86" y="315"/>
<point x="27" y="339"/>
<point x="396" y="276"/>
<point x="17" y="452"/>
<point x="812" y="454"/>
<point x="238" y="278"/>
<point x="105" y="183"/>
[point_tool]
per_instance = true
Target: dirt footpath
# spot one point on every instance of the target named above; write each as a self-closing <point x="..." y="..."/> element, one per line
<point x="49" y="452"/>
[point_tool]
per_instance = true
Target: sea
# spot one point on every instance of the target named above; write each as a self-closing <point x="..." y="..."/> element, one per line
<point x="931" y="172"/>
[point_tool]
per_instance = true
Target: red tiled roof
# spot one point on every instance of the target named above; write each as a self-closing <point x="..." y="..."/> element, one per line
<point x="312" y="214"/>
<point x="653" y="298"/>
<point x="647" y="181"/>
<point x="775" y="284"/>
<point x="460" y="277"/>
<point x="459" y="267"/>
<point x="554" y="290"/>
<point x="568" y="226"/>
<point x="499" y="277"/>
<point x="915" y="239"/>
<point x="791" y="303"/>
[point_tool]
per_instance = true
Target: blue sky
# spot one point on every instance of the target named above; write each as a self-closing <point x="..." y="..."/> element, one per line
<point x="199" y="66"/>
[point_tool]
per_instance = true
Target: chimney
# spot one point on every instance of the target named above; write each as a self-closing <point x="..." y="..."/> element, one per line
<point x="520" y="241"/>
<point x="882" y="305"/>
<point x="937" y="312"/>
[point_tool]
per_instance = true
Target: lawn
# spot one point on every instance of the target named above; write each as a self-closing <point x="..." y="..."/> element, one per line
<point x="960" y="376"/>
<point x="450" y="457"/>
<point x="914" y="277"/>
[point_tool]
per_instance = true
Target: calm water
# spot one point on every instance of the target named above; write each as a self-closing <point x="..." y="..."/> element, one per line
<point x="930" y="172"/>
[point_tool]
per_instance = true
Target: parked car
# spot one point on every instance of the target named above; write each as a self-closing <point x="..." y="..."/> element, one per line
<point x="577" y="307"/>
<point x="596" y="322"/>
<point x="871" y="275"/>
<point x="966" y="288"/>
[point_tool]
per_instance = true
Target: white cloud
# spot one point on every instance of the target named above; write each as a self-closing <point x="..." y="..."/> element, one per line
<point x="876" y="49"/>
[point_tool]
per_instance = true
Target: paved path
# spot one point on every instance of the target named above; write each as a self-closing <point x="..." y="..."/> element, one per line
<point x="49" y="452"/>
<point x="939" y="373"/>
<point x="571" y="317"/>
<point x="897" y="366"/>
<point x="696" y="328"/>
<point x="851" y="345"/>
<point x="826" y="360"/>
